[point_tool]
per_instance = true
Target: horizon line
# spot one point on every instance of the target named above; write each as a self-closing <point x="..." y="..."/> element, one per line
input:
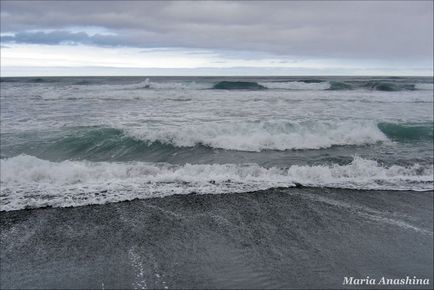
<point x="205" y="76"/>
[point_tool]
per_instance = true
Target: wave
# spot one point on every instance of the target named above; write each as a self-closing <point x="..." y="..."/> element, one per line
<point x="105" y="143"/>
<point x="8" y="80"/>
<point x="38" y="80"/>
<point x="342" y="85"/>
<point x="383" y="84"/>
<point x="311" y="81"/>
<point x="265" y="135"/>
<point x="186" y="85"/>
<point x="35" y="80"/>
<point x="314" y="84"/>
<point x="99" y="143"/>
<point x="83" y="83"/>
<point x="29" y="182"/>
<point x="148" y="84"/>
<point x="297" y="85"/>
<point x="424" y="86"/>
<point x="92" y="143"/>
<point x="388" y="86"/>
<point x="407" y="131"/>
<point x="326" y="85"/>
<point x="302" y="84"/>
<point x="337" y="86"/>
<point x="231" y="85"/>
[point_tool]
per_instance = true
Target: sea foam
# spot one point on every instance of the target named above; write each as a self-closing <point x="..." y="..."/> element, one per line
<point x="296" y="85"/>
<point x="424" y="86"/>
<point x="27" y="181"/>
<point x="265" y="135"/>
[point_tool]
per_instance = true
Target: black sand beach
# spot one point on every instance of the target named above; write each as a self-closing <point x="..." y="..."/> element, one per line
<point x="280" y="238"/>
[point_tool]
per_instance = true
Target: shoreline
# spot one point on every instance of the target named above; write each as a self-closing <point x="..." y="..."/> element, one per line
<point x="193" y="193"/>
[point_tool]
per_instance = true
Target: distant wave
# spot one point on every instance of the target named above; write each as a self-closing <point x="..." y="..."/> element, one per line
<point x="424" y="86"/>
<point x="311" y="81"/>
<point x="27" y="181"/>
<point x="231" y="85"/>
<point x="38" y="80"/>
<point x="83" y="83"/>
<point x="407" y="131"/>
<point x="387" y="84"/>
<point x="28" y="80"/>
<point x="324" y="85"/>
<point x="190" y="85"/>
<point x="337" y="86"/>
<point x="315" y="84"/>
<point x="297" y="85"/>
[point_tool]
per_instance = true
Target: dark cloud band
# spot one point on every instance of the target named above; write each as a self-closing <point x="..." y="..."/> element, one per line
<point x="365" y="29"/>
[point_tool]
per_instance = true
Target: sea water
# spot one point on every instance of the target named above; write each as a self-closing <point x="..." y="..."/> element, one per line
<point x="72" y="141"/>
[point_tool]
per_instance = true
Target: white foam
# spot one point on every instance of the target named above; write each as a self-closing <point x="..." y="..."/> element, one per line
<point x="27" y="181"/>
<point x="296" y="85"/>
<point x="424" y="86"/>
<point x="271" y="135"/>
<point x="176" y="85"/>
<point x="115" y="91"/>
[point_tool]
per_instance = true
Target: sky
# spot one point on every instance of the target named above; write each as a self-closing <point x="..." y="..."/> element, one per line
<point x="76" y="38"/>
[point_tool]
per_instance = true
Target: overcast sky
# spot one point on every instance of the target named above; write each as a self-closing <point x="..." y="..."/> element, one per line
<point x="216" y="38"/>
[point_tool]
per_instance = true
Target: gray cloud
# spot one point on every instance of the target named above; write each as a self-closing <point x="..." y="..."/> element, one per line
<point x="63" y="37"/>
<point x="333" y="29"/>
<point x="205" y="71"/>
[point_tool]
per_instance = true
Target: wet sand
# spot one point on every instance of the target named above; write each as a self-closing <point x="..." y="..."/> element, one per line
<point x="280" y="238"/>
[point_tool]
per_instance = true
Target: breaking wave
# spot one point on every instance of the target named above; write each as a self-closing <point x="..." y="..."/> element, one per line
<point x="313" y="85"/>
<point x="387" y="84"/>
<point x="424" y="86"/>
<point x="265" y="135"/>
<point x="186" y="85"/>
<point x="29" y="182"/>
<point x="105" y="143"/>
<point x="297" y="85"/>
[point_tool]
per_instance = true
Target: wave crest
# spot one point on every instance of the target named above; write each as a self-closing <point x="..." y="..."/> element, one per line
<point x="424" y="86"/>
<point x="270" y="135"/>
<point x="297" y="85"/>
<point x="27" y="181"/>
<point x="151" y="141"/>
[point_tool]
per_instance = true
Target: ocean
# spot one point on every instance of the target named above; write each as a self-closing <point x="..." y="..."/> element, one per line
<point x="257" y="182"/>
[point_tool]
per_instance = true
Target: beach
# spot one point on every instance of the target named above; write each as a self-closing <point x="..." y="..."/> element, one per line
<point x="277" y="238"/>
